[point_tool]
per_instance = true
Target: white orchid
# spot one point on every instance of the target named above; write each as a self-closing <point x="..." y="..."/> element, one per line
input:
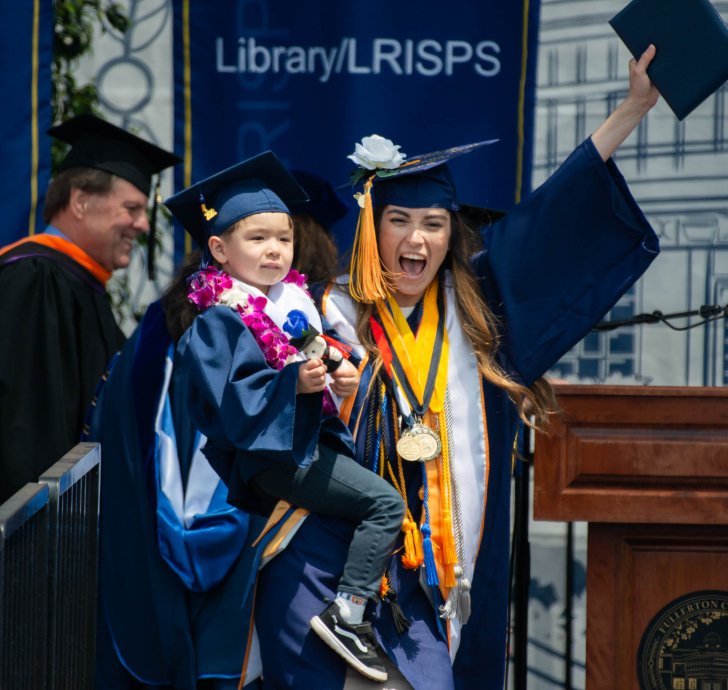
<point x="376" y="152"/>
<point x="234" y="296"/>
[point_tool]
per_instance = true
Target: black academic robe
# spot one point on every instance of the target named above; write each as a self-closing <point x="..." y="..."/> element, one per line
<point x="58" y="334"/>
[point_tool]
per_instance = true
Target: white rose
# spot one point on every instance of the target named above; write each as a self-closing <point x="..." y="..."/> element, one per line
<point x="377" y="152"/>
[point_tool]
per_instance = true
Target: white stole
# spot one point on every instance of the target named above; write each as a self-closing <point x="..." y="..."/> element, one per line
<point x="467" y="437"/>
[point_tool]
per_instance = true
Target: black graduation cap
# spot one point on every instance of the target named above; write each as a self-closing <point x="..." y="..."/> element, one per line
<point x="259" y="184"/>
<point x="479" y="216"/>
<point x="325" y="204"/>
<point x="96" y="143"/>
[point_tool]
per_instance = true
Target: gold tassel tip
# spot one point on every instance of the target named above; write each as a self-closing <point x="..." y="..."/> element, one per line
<point x="370" y="281"/>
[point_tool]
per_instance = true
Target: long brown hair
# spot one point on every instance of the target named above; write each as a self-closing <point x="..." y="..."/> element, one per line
<point x="179" y="312"/>
<point x="314" y="251"/>
<point x="479" y="324"/>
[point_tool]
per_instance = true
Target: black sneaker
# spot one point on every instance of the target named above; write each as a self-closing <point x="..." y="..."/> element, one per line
<point x="355" y="644"/>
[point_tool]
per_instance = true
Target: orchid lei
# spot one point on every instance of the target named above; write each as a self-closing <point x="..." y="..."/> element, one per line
<point x="211" y="286"/>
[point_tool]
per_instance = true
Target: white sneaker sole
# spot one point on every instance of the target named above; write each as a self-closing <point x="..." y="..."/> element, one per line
<point x="320" y="628"/>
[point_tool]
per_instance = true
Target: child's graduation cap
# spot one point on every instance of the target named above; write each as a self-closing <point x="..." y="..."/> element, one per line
<point x="423" y="181"/>
<point x="261" y="184"/>
<point x="97" y="144"/>
<point x="691" y="38"/>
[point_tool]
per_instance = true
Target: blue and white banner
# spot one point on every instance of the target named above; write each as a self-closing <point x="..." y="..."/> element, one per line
<point x="26" y="47"/>
<point x="308" y="80"/>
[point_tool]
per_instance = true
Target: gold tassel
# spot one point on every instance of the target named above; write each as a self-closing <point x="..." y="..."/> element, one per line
<point x="369" y="280"/>
<point x="449" y="550"/>
<point x="412" y="557"/>
<point x="419" y="549"/>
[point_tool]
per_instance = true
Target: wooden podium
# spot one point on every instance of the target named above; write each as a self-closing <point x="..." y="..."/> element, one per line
<point x="647" y="468"/>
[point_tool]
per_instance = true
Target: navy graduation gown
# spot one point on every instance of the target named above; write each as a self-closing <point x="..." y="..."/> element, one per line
<point x="249" y="411"/>
<point x="150" y="625"/>
<point x="551" y="269"/>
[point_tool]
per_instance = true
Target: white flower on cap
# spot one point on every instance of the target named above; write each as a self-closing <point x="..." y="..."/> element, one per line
<point x="376" y="152"/>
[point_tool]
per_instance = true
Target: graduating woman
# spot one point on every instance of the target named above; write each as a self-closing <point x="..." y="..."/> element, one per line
<point x="452" y="348"/>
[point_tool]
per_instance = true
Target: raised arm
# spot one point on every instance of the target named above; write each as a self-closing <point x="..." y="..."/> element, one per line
<point x="642" y="96"/>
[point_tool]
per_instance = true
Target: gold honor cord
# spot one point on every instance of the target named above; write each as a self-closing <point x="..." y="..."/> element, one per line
<point x="187" y="50"/>
<point x="520" y="130"/>
<point x="34" y="120"/>
<point x="411" y="358"/>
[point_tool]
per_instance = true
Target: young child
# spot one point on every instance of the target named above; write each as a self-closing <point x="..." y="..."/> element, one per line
<point x="269" y="418"/>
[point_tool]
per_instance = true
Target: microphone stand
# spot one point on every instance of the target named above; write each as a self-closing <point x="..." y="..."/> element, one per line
<point x="521" y="563"/>
<point x="708" y="313"/>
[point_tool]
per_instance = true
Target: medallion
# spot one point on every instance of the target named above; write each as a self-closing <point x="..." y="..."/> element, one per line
<point x="419" y="443"/>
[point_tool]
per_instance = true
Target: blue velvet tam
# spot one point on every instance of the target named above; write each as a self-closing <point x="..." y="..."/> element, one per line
<point x="96" y="143"/>
<point x="261" y="184"/>
<point x="433" y="188"/>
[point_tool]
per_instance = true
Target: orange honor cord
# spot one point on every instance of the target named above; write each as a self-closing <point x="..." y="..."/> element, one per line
<point x="413" y="361"/>
<point x="248" y="646"/>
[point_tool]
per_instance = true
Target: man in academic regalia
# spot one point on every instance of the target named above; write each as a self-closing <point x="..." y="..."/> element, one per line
<point x="58" y="331"/>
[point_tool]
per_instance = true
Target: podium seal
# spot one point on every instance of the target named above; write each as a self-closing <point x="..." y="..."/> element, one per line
<point x="685" y="646"/>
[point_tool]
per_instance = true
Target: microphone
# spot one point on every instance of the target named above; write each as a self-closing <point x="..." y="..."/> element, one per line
<point x="707" y="313"/>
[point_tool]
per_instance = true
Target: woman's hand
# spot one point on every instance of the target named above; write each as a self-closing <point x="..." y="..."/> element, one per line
<point x="311" y="377"/>
<point x="641" y="98"/>
<point x="345" y="379"/>
<point x="642" y="91"/>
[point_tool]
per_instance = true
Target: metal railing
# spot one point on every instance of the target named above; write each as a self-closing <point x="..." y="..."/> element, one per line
<point x="24" y="588"/>
<point x="48" y="577"/>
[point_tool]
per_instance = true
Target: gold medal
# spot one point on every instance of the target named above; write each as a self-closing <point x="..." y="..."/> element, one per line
<point x="408" y="447"/>
<point x="419" y="443"/>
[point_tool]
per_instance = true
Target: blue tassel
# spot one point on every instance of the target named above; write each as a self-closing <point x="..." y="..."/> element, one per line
<point x="375" y="465"/>
<point x="383" y="412"/>
<point x="430" y="568"/>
